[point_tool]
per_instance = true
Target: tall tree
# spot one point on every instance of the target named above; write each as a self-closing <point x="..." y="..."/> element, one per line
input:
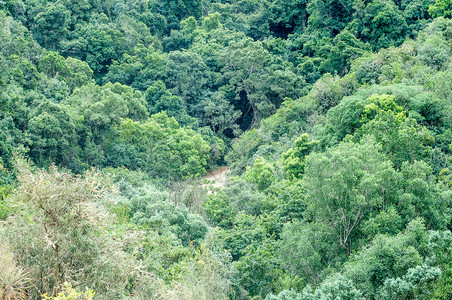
<point x="344" y="184"/>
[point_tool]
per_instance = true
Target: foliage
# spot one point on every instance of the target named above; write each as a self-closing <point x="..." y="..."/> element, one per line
<point x="14" y="280"/>
<point x="153" y="210"/>
<point x="70" y="294"/>
<point x="441" y="8"/>
<point x="334" y="118"/>
<point x="159" y="146"/>
<point x="293" y="159"/>
<point x="257" y="269"/>
<point x="345" y="184"/>
<point x="261" y="174"/>
<point x="59" y="225"/>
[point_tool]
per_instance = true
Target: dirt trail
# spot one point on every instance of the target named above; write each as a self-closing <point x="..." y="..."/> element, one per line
<point x="218" y="176"/>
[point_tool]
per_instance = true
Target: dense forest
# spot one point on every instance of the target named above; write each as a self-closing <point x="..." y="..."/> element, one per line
<point x="332" y="119"/>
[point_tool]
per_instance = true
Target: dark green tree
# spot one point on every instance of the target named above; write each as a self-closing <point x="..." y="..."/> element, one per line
<point x="51" y="25"/>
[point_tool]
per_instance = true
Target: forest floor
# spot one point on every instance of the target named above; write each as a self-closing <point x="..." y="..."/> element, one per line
<point x="218" y="176"/>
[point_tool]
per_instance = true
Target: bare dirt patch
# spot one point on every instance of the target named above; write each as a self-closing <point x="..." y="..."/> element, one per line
<point x="218" y="176"/>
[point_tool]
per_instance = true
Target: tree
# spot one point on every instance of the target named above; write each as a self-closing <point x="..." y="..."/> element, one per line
<point x="440" y="251"/>
<point x="420" y="196"/>
<point x="387" y="257"/>
<point x="415" y="13"/>
<point x="261" y="173"/>
<point x="99" y="46"/>
<point x="212" y="22"/>
<point x="154" y="211"/>
<point x="260" y="82"/>
<point x="288" y="295"/>
<point x="52" y="134"/>
<point x="329" y="17"/>
<point x="345" y="184"/>
<point x="294" y="159"/>
<point x="10" y="140"/>
<point x="60" y="231"/>
<point x="24" y="73"/>
<point x="51" y="25"/>
<point x="244" y="63"/>
<point x="180" y="9"/>
<point x="139" y="69"/>
<point x="188" y="77"/>
<point x="105" y="106"/>
<point x="79" y="73"/>
<point x="340" y="53"/>
<point x="158" y="146"/>
<point x="383" y="24"/>
<point x="287" y="17"/>
<point x="218" y="210"/>
<point x="53" y="65"/>
<point x="159" y="99"/>
<point x="415" y="284"/>
<point x="96" y="110"/>
<point x="433" y="52"/>
<point x="338" y="287"/>
<point x="441" y="8"/>
<point x="220" y="114"/>
<point x="334" y="287"/>
<point x="401" y="137"/>
<point x="258" y="270"/>
<point x="247" y="232"/>
<point x="298" y="250"/>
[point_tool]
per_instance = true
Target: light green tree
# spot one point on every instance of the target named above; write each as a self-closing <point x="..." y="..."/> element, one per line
<point x="294" y="159"/>
<point x="441" y="8"/>
<point x="344" y="184"/>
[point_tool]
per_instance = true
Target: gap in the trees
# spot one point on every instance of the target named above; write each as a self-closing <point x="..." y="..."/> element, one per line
<point x="244" y="105"/>
<point x="281" y="30"/>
